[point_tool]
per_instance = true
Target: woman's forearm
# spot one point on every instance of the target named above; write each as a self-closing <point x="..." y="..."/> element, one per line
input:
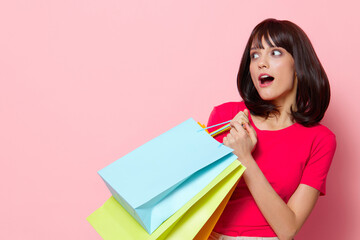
<point x="284" y="218"/>
<point x="277" y="213"/>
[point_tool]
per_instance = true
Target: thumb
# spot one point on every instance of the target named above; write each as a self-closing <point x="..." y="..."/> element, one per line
<point x="251" y="131"/>
<point x="246" y="112"/>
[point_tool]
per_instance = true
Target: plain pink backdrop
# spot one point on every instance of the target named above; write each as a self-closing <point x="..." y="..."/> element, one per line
<point x="83" y="82"/>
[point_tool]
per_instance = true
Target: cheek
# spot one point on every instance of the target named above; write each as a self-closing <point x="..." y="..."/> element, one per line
<point x="287" y="71"/>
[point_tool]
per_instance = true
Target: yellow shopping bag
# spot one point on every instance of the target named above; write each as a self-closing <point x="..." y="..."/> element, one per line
<point x="194" y="220"/>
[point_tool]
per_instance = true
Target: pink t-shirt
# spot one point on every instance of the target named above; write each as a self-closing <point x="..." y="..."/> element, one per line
<point x="287" y="157"/>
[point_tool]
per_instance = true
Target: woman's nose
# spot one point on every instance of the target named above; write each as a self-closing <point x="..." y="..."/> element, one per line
<point x="263" y="63"/>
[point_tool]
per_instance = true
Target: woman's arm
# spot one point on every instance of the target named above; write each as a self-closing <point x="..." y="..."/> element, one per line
<point x="285" y="219"/>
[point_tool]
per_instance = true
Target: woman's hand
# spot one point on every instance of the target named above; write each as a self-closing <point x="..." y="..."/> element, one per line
<point x="242" y="117"/>
<point x="242" y="137"/>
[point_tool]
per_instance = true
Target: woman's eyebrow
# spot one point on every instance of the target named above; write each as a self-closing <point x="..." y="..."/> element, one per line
<point x="254" y="48"/>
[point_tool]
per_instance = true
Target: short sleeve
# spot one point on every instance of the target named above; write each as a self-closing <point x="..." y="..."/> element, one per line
<point x="217" y="117"/>
<point x="213" y="120"/>
<point x="319" y="162"/>
<point x="223" y="113"/>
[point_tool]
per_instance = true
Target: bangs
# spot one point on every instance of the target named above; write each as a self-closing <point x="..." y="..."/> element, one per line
<point x="257" y="41"/>
<point x="275" y="34"/>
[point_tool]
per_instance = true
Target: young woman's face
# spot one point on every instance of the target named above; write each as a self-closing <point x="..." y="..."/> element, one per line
<point x="272" y="71"/>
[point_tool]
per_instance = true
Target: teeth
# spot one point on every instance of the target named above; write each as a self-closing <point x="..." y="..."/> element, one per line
<point x="264" y="76"/>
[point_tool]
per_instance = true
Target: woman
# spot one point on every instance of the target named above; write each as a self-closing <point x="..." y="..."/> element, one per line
<point x="275" y="133"/>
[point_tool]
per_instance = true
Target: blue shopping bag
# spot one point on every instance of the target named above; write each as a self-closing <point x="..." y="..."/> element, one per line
<point x="158" y="178"/>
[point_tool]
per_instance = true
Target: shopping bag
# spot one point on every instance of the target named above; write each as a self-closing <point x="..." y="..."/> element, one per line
<point x="195" y="219"/>
<point x="157" y="179"/>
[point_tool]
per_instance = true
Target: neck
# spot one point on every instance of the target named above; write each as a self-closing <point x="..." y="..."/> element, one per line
<point x="278" y="121"/>
<point x="284" y="105"/>
<point x="282" y="119"/>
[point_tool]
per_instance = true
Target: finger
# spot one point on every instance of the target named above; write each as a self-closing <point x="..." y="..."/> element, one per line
<point x="242" y="116"/>
<point x="225" y="141"/>
<point x="251" y="131"/>
<point x="233" y="131"/>
<point x="239" y="127"/>
<point x="234" y="122"/>
<point x="246" y="112"/>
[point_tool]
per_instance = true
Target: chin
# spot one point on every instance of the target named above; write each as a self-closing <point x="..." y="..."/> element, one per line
<point x="267" y="97"/>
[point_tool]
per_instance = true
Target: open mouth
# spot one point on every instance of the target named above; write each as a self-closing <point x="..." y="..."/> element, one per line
<point x="265" y="79"/>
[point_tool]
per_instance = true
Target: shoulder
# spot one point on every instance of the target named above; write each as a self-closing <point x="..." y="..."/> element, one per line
<point x="225" y="112"/>
<point x="321" y="137"/>
<point x="319" y="131"/>
<point x="231" y="107"/>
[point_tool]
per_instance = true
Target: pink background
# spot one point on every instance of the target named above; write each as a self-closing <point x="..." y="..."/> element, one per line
<point x="83" y="82"/>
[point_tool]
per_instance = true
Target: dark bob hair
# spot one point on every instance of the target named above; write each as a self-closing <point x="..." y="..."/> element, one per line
<point x="313" y="90"/>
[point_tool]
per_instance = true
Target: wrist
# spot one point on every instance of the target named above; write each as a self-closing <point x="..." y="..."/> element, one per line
<point x="246" y="160"/>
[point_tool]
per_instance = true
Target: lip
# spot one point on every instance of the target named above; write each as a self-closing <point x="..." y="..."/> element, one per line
<point x="268" y="83"/>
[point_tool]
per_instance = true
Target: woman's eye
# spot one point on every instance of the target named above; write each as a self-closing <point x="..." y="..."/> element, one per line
<point x="254" y="55"/>
<point x="276" y="53"/>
